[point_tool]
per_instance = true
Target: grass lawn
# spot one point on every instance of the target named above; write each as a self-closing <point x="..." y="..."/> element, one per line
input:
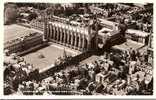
<point x="51" y="53"/>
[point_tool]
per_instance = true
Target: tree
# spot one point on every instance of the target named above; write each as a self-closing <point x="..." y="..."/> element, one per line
<point x="99" y="88"/>
<point x="32" y="16"/>
<point x="83" y="83"/>
<point x="10" y="13"/>
<point x="50" y="10"/>
<point x="91" y="87"/>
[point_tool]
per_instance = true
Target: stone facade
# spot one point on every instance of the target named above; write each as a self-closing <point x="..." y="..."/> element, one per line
<point x="24" y="43"/>
<point x="72" y="36"/>
<point x="83" y="38"/>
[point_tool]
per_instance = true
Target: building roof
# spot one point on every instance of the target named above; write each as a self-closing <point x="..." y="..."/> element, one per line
<point x="127" y="45"/>
<point x="106" y="22"/>
<point x="137" y="32"/>
<point x="14" y="31"/>
<point x="103" y="30"/>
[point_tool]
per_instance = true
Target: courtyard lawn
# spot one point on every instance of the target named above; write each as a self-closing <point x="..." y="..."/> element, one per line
<point x="50" y="53"/>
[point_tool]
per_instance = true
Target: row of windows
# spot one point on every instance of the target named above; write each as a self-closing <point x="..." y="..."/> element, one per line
<point x="68" y="28"/>
<point x="37" y="25"/>
<point x="139" y="39"/>
<point x="18" y="47"/>
<point x="64" y="31"/>
<point x="67" y="38"/>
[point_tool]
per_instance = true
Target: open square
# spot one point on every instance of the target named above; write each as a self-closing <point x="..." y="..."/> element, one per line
<point x="50" y="53"/>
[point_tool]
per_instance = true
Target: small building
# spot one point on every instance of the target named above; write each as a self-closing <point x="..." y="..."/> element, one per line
<point x="138" y="36"/>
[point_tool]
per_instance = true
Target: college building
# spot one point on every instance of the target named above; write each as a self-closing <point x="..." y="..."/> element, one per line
<point x="22" y="44"/>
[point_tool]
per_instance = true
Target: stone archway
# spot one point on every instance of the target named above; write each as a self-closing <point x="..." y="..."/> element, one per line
<point x="100" y="43"/>
<point x="93" y="43"/>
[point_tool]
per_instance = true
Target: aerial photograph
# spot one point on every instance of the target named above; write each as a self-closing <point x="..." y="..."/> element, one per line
<point x="78" y="49"/>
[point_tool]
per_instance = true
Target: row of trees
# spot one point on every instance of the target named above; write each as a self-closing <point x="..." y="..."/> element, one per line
<point x="11" y="12"/>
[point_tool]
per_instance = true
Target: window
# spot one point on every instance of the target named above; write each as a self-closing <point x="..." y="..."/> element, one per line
<point x="100" y="79"/>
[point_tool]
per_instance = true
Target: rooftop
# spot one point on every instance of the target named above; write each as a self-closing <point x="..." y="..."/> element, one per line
<point x="14" y="31"/>
<point x="129" y="44"/>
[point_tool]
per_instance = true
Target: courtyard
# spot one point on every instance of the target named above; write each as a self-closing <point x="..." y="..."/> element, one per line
<point x="50" y="53"/>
